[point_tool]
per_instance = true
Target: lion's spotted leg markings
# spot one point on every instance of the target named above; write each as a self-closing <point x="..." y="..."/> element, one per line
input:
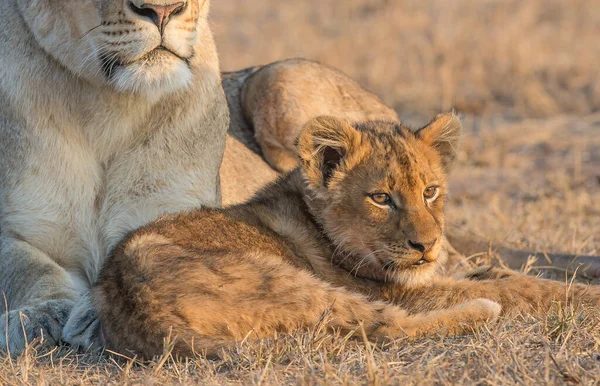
<point x="82" y="329"/>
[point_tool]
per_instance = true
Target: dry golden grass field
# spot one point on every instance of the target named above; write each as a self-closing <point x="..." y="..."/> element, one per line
<point x="526" y="76"/>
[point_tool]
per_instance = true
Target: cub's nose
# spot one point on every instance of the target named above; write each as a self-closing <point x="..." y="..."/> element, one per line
<point x="421" y="246"/>
<point x="160" y="14"/>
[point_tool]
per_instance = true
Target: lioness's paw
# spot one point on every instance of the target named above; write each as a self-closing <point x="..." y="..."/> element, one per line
<point x="489" y="273"/>
<point x="82" y="329"/>
<point x="42" y="323"/>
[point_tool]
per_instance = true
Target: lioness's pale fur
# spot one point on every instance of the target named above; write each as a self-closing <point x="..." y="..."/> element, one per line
<point x="105" y="124"/>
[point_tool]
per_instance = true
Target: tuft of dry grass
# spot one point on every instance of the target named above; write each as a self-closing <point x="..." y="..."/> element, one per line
<point x="534" y="182"/>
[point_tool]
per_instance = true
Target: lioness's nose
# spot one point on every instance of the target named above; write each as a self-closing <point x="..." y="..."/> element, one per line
<point x="421" y="246"/>
<point x="160" y="14"/>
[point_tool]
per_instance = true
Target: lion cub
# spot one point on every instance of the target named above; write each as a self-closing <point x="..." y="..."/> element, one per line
<point x="358" y="223"/>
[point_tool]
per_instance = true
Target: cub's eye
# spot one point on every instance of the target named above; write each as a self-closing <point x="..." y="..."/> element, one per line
<point x="430" y="192"/>
<point x="381" y="198"/>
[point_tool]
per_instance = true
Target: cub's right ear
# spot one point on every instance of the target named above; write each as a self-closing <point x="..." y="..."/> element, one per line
<point x="322" y="146"/>
<point x="443" y="134"/>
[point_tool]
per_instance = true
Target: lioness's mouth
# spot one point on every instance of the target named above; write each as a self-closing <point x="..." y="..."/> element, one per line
<point x="160" y="49"/>
<point x="110" y="62"/>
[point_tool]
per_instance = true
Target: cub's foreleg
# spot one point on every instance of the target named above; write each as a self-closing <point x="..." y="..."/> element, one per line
<point x="516" y="292"/>
<point x="204" y="301"/>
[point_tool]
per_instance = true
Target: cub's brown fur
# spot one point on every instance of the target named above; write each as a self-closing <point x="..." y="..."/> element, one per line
<point x="360" y="222"/>
<point x="269" y="105"/>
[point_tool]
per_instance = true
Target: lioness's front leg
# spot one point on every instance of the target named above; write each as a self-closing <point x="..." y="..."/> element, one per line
<point x="39" y="295"/>
<point x="175" y="169"/>
<point x="517" y="293"/>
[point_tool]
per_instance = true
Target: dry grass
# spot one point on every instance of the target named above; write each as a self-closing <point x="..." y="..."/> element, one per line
<point x="538" y="180"/>
<point x="558" y="349"/>
<point x="537" y="183"/>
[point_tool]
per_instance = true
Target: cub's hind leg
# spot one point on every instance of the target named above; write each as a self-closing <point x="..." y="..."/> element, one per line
<point x="207" y="301"/>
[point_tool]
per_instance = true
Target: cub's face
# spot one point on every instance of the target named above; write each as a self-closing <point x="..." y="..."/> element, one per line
<point x="139" y="46"/>
<point x="378" y="190"/>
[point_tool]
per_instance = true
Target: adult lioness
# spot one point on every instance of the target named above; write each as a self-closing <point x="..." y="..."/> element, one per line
<point x="111" y="114"/>
<point x="360" y="221"/>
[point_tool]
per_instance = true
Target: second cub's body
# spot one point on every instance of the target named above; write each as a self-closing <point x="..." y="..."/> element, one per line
<point x="358" y="227"/>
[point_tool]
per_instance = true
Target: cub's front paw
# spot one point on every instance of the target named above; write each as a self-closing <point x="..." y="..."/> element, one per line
<point x="482" y="309"/>
<point x="488" y="272"/>
<point x="42" y="323"/>
<point x="82" y="329"/>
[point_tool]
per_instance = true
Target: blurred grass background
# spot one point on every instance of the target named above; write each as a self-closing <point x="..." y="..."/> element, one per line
<point x="517" y="58"/>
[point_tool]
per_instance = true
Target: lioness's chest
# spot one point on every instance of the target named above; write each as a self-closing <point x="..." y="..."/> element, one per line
<point x="57" y="197"/>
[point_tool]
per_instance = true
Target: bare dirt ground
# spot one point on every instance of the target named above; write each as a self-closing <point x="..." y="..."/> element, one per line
<point x="525" y="73"/>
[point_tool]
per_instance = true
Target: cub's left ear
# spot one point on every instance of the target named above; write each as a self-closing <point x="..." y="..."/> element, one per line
<point x="322" y="146"/>
<point x="443" y="134"/>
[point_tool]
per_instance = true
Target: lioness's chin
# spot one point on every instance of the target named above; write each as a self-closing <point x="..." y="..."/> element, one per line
<point x="155" y="79"/>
